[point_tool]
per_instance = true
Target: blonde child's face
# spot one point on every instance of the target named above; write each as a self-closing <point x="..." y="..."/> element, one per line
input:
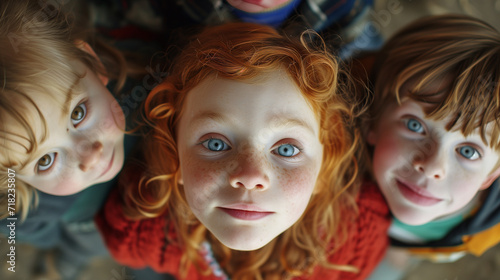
<point x="85" y="141"/>
<point x="255" y="6"/>
<point x="424" y="171"/>
<point x="249" y="157"/>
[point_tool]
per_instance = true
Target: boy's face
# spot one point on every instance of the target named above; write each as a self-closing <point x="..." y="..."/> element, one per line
<point x="424" y="171"/>
<point x="249" y="156"/>
<point x="84" y="145"/>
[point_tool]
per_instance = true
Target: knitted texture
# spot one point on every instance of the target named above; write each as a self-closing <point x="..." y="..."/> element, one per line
<point x="140" y="243"/>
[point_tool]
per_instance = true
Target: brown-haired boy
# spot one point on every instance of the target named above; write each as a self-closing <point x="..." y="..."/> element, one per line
<point x="434" y="133"/>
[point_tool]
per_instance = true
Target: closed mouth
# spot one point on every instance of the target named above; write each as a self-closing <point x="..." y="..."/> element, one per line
<point x="416" y="194"/>
<point x="246" y="214"/>
<point x="109" y="165"/>
<point x="255" y="2"/>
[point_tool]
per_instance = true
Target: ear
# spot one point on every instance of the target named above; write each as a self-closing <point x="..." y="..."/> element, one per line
<point x="490" y="179"/>
<point x="371" y="137"/>
<point x="180" y="181"/>
<point x="84" y="46"/>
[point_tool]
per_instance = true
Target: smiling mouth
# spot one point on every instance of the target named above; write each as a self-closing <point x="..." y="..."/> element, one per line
<point x="110" y="164"/>
<point x="416" y="195"/>
<point x="245" y="214"/>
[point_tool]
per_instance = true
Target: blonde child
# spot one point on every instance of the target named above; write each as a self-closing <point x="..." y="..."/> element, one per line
<point x="435" y="136"/>
<point x="251" y="169"/>
<point x="61" y="134"/>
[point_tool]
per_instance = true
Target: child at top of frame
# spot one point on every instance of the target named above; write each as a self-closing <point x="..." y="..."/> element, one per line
<point x="252" y="167"/>
<point x="435" y="135"/>
<point x="347" y="20"/>
<point x="319" y="14"/>
<point x="61" y="131"/>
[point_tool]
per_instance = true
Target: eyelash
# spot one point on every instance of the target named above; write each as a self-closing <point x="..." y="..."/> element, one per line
<point x="476" y="151"/>
<point x="86" y="107"/>
<point x="293" y="157"/>
<point x="407" y="120"/>
<point x="227" y="147"/>
<point x="206" y="141"/>
<point x="52" y="160"/>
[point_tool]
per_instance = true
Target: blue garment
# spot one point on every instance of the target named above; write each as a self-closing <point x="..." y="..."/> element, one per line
<point x="274" y="17"/>
<point x="315" y="14"/>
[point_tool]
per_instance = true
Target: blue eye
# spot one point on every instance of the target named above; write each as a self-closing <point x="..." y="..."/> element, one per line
<point x="469" y="153"/>
<point x="287" y="150"/>
<point x="46" y="161"/>
<point x="414" y="125"/>
<point x="79" y="114"/>
<point x="216" y="145"/>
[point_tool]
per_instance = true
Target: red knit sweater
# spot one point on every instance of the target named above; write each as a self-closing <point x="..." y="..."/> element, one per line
<point x="143" y="243"/>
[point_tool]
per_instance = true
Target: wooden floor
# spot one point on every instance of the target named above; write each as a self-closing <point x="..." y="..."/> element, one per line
<point x="486" y="267"/>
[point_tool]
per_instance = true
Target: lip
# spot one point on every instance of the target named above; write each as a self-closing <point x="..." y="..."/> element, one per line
<point x="254" y="2"/>
<point x="110" y="164"/>
<point x="417" y="195"/>
<point x="244" y="211"/>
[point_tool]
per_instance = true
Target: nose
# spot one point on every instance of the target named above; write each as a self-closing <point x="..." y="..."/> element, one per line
<point x="432" y="165"/>
<point x="90" y="156"/>
<point x="250" y="173"/>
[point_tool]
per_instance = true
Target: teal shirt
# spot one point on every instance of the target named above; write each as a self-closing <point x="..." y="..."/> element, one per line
<point x="430" y="231"/>
<point x="45" y="224"/>
<point x="91" y="199"/>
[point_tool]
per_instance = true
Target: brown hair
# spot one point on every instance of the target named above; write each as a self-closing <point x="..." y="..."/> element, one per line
<point x="38" y="41"/>
<point x="241" y="51"/>
<point x="460" y="52"/>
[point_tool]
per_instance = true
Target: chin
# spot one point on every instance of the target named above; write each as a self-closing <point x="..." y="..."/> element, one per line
<point x="244" y="246"/>
<point x="65" y="191"/>
<point x="240" y="243"/>
<point x="413" y="219"/>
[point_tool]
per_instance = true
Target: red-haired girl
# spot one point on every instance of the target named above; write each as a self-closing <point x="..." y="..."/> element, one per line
<point x="251" y="167"/>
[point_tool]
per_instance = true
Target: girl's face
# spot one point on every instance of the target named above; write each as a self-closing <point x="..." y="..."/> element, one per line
<point x="249" y="156"/>
<point x="84" y="144"/>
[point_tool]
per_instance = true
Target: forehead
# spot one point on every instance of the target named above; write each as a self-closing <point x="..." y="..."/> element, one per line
<point x="274" y="94"/>
<point x="408" y="105"/>
<point x="25" y="123"/>
<point x="433" y="89"/>
<point x="27" y="115"/>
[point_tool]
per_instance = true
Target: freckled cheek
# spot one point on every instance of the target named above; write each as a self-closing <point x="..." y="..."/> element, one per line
<point x="297" y="186"/>
<point x="112" y="117"/>
<point x="199" y="173"/>
<point x="203" y="181"/>
<point x="117" y="119"/>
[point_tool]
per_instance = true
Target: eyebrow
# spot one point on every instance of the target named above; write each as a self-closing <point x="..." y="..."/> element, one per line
<point x="65" y="111"/>
<point x="69" y="97"/>
<point x="286" y="122"/>
<point x="216" y="117"/>
<point x="275" y="120"/>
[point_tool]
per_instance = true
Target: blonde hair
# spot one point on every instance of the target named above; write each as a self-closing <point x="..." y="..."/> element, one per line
<point x="461" y="52"/>
<point x="241" y="51"/>
<point x="38" y="41"/>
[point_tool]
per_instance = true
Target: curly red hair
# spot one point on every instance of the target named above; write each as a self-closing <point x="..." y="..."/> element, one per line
<point x="241" y="51"/>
